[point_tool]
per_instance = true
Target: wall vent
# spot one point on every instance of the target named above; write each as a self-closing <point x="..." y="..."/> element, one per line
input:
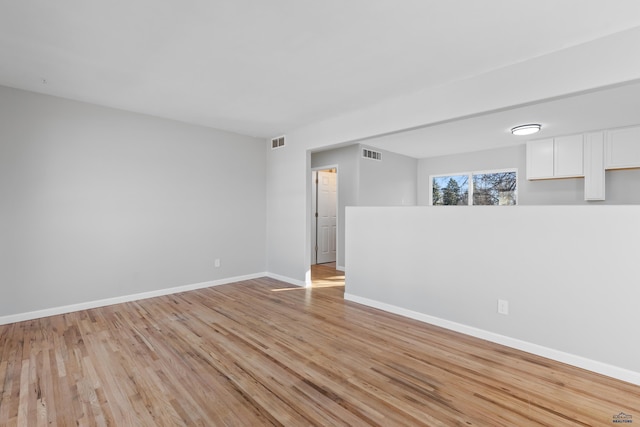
<point x="277" y="142"/>
<point x="370" y="154"/>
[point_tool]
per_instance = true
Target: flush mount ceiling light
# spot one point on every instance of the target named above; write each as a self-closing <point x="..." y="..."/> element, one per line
<point x="526" y="129"/>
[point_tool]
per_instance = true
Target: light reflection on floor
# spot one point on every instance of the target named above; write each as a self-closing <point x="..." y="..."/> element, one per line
<point x="326" y="276"/>
<point x="322" y="276"/>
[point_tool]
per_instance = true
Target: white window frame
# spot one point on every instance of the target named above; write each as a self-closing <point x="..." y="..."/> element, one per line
<point x="470" y="175"/>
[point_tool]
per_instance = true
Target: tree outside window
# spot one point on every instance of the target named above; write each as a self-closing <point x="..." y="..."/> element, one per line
<point x="450" y="190"/>
<point x="475" y="188"/>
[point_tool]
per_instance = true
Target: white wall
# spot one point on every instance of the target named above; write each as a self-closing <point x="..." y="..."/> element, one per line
<point x="389" y="182"/>
<point x="621" y="185"/>
<point x="569" y="274"/>
<point x="97" y="203"/>
<point x="602" y="62"/>
<point x="347" y="160"/>
<point x="365" y="182"/>
<point x="288" y="212"/>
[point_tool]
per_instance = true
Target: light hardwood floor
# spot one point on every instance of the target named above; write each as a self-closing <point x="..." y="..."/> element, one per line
<point x="262" y="352"/>
<point x="326" y="276"/>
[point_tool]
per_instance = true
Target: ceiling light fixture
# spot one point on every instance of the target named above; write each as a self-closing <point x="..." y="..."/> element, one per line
<point x="526" y="129"/>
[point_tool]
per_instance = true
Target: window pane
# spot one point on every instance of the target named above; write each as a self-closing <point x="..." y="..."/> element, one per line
<point x="450" y="190"/>
<point x="494" y="188"/>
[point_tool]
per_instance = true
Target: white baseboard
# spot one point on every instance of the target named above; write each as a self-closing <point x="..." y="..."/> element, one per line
<point x="557" y="355"/>
<point x="340" y="267"/>
<point x="286" y="279"/>
<point x="117" y="300"/>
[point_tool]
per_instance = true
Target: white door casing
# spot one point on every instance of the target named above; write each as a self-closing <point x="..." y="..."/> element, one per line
<point x="314" y="220"/>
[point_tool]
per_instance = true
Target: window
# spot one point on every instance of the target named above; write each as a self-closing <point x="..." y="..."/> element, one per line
<point x="496" y="188"/>
<point x="450" y="190"/>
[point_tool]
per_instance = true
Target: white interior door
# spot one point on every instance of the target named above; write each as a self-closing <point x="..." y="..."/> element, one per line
<point x="326" y="216"/>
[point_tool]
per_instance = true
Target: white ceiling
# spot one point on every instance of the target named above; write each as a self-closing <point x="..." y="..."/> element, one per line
<point x="602" y="109"/>
<point x="263" y="68"/>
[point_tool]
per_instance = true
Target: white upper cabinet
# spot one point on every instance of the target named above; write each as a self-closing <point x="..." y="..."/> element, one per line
<point x="560" y="157"/>
<point x="622" y="148"/>
<point x="594" y="176"/>
<point x="568" y="156"/>
<point x="586" y="155"/>
<point x="540" y="159"/>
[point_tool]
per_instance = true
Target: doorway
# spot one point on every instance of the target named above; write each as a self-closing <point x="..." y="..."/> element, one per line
<point x="324" y="212"/>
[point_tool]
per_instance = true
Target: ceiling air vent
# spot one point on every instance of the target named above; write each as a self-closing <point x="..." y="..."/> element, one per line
<point x="370" y="154"/>
<point x="277" y="142"/>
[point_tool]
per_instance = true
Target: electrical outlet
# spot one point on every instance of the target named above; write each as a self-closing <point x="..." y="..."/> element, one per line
<point x="217" y="262"/>
<point x="503" y="307"/>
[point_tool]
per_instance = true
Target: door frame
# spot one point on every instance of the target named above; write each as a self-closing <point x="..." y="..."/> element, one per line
<point x="312" y="229"/>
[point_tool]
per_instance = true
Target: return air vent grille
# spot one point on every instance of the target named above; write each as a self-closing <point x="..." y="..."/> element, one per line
<point x="370" y="154"/>
<point x="277" y="142"/>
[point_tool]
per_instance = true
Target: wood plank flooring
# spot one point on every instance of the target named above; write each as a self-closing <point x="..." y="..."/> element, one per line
<point x="262" y="352"/>
<point x="326" y="276"/>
